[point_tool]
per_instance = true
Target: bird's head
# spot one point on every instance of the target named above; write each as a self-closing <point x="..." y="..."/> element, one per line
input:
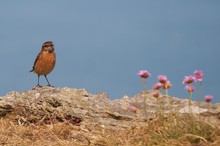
<point x="48" y="47"/>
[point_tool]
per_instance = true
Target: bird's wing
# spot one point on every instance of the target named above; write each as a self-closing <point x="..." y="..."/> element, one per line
<point x="38" y="56"/>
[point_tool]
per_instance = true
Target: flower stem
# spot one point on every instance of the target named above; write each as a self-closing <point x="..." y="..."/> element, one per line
<point x="208" y="107"/>
<point x="170" y="106"/>
<point x="199" y="95"/>
<point x="144" y="84"/>
<point x="158" y="104"/>
<point x="190" y="102"/>
<point x="162" y="104"/>
<point x="145" y="97"/>
<point x="169" y="102"/>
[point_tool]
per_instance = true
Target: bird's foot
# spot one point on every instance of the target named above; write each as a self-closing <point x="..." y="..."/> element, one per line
<point x="50" y="85"/>
<point x="37" y="86"/>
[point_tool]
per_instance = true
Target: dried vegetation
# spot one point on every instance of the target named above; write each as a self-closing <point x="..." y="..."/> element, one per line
<point x="67" y="117"/>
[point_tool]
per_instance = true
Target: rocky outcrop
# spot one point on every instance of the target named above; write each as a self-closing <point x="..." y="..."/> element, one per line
<point x="93" y="112"/>
<point x="45" y="103"/>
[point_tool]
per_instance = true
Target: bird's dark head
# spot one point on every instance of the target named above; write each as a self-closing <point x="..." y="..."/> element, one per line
<point x="48" y="46"/>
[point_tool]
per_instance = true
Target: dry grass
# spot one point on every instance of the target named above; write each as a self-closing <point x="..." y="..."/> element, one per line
<point x="45" y="135"/>
<point x="182" y="130"/>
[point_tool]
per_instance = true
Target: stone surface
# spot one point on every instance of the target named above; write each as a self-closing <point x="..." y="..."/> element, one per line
<point x="94" y="112"/>
<point x="49" y="103"/>
<point x="193" y="109"/>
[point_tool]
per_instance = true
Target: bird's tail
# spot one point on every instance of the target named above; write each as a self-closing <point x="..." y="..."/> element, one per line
<point x="31" y="70"/>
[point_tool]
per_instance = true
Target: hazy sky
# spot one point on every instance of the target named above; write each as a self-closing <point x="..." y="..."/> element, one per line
<point x="102" y="44"/>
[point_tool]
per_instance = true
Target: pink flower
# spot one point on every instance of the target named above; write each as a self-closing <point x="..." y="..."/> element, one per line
<point x="162" y="78"/>
<point x="198" y="75"/>
<point x="157" y="86"/>
<point x="133" y="109"/>
<point x="190" y="88"/>
<point x="156" y="94"/>
<point x="167" y="85"/>
<point x="208" y="98"/>
<point x="144" y="74"/>
<point x="189" y="79"/>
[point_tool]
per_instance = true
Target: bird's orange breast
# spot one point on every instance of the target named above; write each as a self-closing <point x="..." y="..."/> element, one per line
<point x="45" y="63"/>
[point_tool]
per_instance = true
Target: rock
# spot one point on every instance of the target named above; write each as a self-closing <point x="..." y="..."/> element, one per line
<point x="193" y="109"/>
<point x="61" y="103"/>
<point x="92" y="112"/>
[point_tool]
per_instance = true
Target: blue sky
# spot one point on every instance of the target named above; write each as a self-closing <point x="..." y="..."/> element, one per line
<point x="101" y="45"/>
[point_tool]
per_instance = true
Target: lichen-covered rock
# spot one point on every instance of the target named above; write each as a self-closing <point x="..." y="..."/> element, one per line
<point x="93" y="113"/>
<point x="47" y="103"/>
<point x="77" y="106"/>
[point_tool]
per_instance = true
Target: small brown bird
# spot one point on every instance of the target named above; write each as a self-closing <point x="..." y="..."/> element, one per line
<point x="45" y="61"/>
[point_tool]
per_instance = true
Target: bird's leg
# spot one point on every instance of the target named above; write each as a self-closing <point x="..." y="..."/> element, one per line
<point x="47" y="80"/>
<point x="38" y="81"/>
<point x="38" y="85"/>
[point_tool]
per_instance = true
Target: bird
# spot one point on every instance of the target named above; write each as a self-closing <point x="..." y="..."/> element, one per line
<point x="45" y="61"/>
